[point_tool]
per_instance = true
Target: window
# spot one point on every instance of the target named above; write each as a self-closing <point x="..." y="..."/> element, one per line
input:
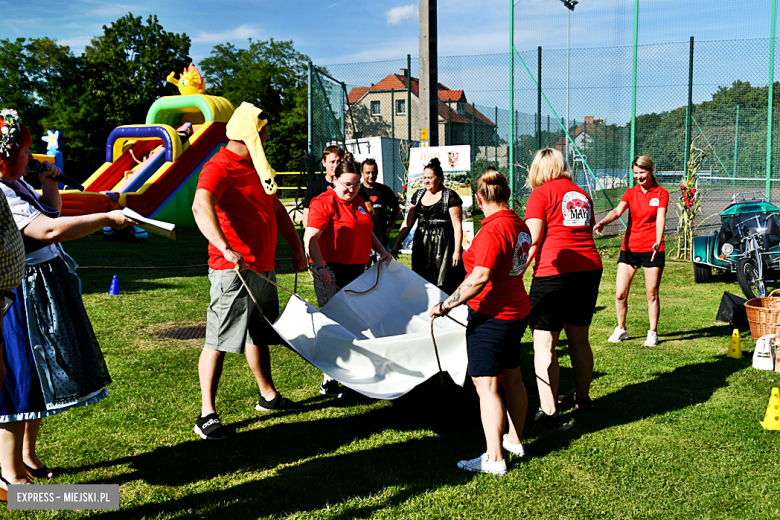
<point x="400" y="107"/>
<point x="375" y="108"/>
<point x="461" y="108"/>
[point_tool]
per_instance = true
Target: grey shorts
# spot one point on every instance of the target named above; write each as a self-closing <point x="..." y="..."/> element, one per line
<point x="233" y="319"/>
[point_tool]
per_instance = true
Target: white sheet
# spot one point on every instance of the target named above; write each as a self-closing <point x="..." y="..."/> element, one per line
<point x="378" y="343"/>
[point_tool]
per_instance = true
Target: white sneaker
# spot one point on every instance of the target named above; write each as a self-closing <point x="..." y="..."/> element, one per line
<point x="517" y="449"/>
<point x="652" y="339"/>
<point x="483" y="464"/>
<point x="619" y="335"/>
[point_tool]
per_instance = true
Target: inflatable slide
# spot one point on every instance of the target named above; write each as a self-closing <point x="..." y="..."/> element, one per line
<point x="153" y="168"/>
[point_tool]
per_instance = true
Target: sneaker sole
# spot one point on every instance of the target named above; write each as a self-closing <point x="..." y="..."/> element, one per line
<point x="288" y="410"/>
<point x="510" y="450"/>
<point x="610" y="340"/>
<point x="338" y="395"/>
<point x="474" y="470"/>
<point x="206" y="437"/>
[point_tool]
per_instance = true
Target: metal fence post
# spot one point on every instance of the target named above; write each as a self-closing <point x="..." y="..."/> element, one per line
<point x="310" y="126"/>
<point x="736" y="142"/>
<point x="539" y="101"/>
<point x="689" y="111"/>
<point x="392" y="131"/>
<point x="495" y="138"/>
<point x="511" y="157"/>
<point x="633" y="93"/>
<point x="409" y="98"/>
<point x="770" y="97"/>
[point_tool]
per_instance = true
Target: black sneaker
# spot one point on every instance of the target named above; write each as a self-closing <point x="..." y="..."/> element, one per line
<point x="550" y="421"/>
<point x="210" y="428"/>
<point x="332" y="388"/>
<point x="278" y="404"/>
<point x="570" y="400"/>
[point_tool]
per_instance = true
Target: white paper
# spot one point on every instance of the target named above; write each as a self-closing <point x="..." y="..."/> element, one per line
<point x="379" y="343"/>
<point x="164" y="229"/>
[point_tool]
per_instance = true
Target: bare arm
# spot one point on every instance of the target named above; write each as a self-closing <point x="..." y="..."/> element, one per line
<point x="311" y="241"/>
<point x="286" y="227"/>
<point x="305" y="216"/>
<point x="406" y="227"/>
<point x="456" y="215"/>
<point x="611" y="217"/>
<point x="205" y="213"/>
<point x="62" y="229"/>
<point x="377" y="246"/>
<point x="660" y="224"/>
<point x="471" y="286"/>
<point x="536" y="227"/>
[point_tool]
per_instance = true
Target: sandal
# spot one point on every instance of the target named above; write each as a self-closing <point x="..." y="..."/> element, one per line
<point x="4" y="492"/>
<point x="43" y="472"/>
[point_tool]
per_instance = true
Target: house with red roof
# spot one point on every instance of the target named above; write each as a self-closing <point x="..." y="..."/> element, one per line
<point x="381" y="110"/>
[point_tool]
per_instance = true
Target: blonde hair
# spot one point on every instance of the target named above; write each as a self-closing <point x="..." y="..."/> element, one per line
<point x="492" y="186"/>
<point x="645" y="162"/>
<point x="548" y="164"/>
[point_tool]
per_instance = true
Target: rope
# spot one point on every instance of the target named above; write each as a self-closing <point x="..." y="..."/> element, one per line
<point x="264" y="277"/>
<point x="372" y="287"/>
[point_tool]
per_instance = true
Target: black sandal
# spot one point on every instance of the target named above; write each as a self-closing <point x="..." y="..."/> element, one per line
<point x="40" y="472"/>
<point x="4" y="492"/>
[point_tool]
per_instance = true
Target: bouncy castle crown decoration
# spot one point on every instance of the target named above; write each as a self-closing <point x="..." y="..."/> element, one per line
<point x="190" y="81"/>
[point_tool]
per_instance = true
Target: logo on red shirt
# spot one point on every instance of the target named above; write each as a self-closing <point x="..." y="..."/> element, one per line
<point x="655" y="202"/>
<point x="521" y="254"/>
<point x="576" y="209"/>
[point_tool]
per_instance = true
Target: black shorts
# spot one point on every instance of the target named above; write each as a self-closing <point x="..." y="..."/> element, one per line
<point x="493" y="345"/>
<point x="642" y="259"/>
<point x="568" y="298"/>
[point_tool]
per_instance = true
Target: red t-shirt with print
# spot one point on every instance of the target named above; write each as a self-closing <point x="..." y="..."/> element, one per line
<point x="567" y="243"/>
<point x="502" y="246"/>
<point x="642" y="213"/>
<point x="245" y="211"/>
<point x="346" y="228"/>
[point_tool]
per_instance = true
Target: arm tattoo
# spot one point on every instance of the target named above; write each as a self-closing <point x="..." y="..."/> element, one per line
<point x="455" y="297"/>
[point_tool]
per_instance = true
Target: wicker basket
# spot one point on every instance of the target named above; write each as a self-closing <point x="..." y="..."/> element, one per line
<point x="763" y="314"/>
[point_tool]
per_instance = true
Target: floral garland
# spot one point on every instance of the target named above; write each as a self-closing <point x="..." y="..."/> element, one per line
<point x="10" y="126"/>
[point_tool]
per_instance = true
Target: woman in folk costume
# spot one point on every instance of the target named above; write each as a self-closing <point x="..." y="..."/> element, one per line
<point x="51" y="353"/>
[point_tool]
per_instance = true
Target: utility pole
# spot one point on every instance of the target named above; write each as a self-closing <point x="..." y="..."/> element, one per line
<point x="429" y="75"/>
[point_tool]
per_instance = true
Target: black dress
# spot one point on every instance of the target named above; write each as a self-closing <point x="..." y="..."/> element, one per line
<point x="434" y="241"/>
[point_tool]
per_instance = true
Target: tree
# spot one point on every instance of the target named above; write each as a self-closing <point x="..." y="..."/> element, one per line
<point x="126" y="67"/>
<point x="270" y="75"/>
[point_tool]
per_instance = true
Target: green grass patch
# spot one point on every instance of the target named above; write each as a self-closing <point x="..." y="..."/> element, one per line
<point x="675" y="433"/>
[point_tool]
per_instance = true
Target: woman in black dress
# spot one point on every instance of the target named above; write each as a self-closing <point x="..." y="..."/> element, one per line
<point x="436" y="248"/>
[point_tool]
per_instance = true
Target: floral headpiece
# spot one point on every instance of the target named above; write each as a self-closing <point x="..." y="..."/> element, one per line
<point x="10" y="128"/>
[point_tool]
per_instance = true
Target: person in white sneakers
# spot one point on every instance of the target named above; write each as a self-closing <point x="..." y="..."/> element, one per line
<point x="643" y="245"/>
<point x="497" y="319"/>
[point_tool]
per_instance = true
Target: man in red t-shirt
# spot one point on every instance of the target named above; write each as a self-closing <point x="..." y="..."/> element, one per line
<point x="240" y="221"/>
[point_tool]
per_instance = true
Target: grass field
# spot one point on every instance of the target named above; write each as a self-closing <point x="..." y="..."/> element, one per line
<point x="675" y="433"/>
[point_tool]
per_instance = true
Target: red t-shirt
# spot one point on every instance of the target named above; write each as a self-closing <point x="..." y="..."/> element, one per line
<point x="642" y="212"/>
<point x="245" y="211"/>
<point x="567" y="243"/>
<point x="501" y="246"/>
<point x="346" y="228"/>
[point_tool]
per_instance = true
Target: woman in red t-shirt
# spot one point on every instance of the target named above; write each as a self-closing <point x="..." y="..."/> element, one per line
<point x="566" y="281"/>
<point x="498" y="316"/>
<point x="339" y="238"/>
<point x="643" y="244"/>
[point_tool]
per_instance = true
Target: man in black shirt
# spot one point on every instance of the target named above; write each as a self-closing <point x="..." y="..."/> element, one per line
<point x="383" y="200"/>
<point x="331" y="157"/>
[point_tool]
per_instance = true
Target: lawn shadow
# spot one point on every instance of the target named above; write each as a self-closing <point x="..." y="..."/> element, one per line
<point x="667" y="392"/>
<point x="308" y="477"/>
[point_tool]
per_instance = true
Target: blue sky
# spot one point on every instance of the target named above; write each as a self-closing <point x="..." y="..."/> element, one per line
<point x="341" y="31"/>
<point x="351" y="31"/>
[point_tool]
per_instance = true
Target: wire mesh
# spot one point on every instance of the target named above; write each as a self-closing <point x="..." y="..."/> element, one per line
<point x="592" y="81"/>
